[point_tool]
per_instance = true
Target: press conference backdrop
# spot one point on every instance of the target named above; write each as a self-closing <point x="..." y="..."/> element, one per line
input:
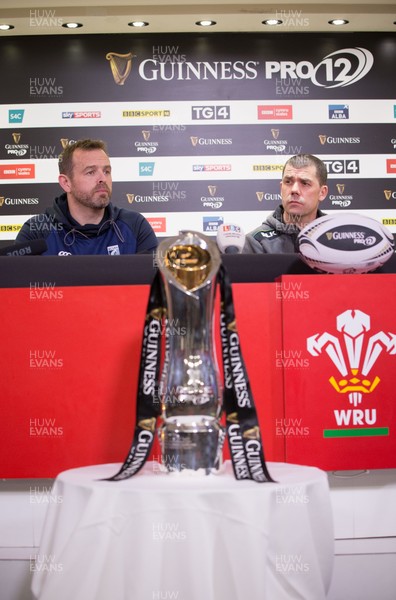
<point x="199" y="126"/>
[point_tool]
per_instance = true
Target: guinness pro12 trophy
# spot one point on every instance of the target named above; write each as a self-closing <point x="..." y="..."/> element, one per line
<point x="191" y="436"/>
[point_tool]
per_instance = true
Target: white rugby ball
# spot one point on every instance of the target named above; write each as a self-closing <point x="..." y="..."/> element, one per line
<point x="345" y="243"/>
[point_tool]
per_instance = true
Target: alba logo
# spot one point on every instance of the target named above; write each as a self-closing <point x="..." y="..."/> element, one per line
<point x="212" y="224"/>
<point x="338" y="111"/>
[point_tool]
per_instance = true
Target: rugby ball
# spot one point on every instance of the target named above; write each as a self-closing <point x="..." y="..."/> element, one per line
<point x="345" y="243"/>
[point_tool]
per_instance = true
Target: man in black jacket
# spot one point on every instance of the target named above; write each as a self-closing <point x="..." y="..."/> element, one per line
<point x="82" y="220"/>
<point x="303" y="187"/>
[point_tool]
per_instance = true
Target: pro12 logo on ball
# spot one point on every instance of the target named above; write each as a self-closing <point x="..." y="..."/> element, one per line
<point x="345" y="243"/>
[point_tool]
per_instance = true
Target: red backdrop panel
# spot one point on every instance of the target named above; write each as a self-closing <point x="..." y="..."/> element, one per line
<point x="328" y="322"/>
<point x="69" y="371"/>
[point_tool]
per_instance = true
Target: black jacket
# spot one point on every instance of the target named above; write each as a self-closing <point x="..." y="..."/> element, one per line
<point x="274" y="236"/>
<point x="120" y="232"/>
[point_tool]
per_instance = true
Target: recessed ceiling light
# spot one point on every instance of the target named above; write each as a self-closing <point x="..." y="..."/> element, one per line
<point x="72" y="25"/>
<point x="272" y="22"/>
<point x="5" y="27"/>
<point x="138" y="24"/>
<point x="205" y="23"/>
<point x="338" y="22"/>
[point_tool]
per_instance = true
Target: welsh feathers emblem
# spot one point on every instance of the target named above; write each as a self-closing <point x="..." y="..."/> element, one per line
<point x="353" y="352"/>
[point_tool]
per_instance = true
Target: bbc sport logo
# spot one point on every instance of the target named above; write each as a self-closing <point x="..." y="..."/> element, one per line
<point x="16" y="115"/>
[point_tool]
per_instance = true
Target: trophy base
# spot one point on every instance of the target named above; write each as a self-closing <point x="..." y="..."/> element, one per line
<point x="192" y="443"/>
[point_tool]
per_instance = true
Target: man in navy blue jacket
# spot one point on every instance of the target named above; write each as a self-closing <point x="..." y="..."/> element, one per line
<point x="82" y="220"/>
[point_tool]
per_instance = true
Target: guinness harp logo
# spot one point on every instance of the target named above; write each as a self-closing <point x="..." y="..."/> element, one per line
<point x="16" y="137"/>
<point x="120" y="65"/>
<point x="157" y="313"/>
<point x="146" y="135"/>
<point x="2" y="199"/>
<point x="194" y="140"/>
<point x="64" y="142"/>
<point x="252" y="434"/>
<point x="322" y="139"/>
<point x="388" y="194"/>
<point x="212" y="190"/>
<point x="232" y="326"/>
<point x="130" y="198"/>
<point x="147" y="424"/>
<point x="275" y="133"/>
<point x="340" y="187"/>
<point x="233" y="418"/>
<point x="260" y="196"/>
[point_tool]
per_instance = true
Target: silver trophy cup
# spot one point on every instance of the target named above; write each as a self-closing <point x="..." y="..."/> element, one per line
<point x="191" y="436"/>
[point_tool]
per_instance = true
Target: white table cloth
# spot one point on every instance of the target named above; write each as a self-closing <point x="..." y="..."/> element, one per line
<point x="158" y="536"/>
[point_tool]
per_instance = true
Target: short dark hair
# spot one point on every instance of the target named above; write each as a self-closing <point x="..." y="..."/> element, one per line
<point x="305" y="160"/>
<point x="65" y="160"/>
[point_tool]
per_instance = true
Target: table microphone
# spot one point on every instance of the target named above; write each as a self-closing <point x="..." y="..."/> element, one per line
<point x="230" y="239"/>
<point x="31" y="248"/>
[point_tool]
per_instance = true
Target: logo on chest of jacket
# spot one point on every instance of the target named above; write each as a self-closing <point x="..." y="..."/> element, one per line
<point x="268" y="234"/>
<point x="113" y="250"/>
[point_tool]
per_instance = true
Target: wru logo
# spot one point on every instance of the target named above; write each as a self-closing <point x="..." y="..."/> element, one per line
<point x="361" y="350"/>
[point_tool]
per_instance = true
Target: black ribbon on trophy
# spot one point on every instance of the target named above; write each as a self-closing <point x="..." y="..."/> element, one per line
<point x="193" y="440"/>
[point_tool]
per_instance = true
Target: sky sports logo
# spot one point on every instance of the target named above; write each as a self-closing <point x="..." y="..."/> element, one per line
<point x="211" y="168"/>
<point x="16" y="116"/>
<point x="89" y="114"/>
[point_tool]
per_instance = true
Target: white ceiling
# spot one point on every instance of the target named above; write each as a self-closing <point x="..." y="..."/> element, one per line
<point x="45" y="17"/>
